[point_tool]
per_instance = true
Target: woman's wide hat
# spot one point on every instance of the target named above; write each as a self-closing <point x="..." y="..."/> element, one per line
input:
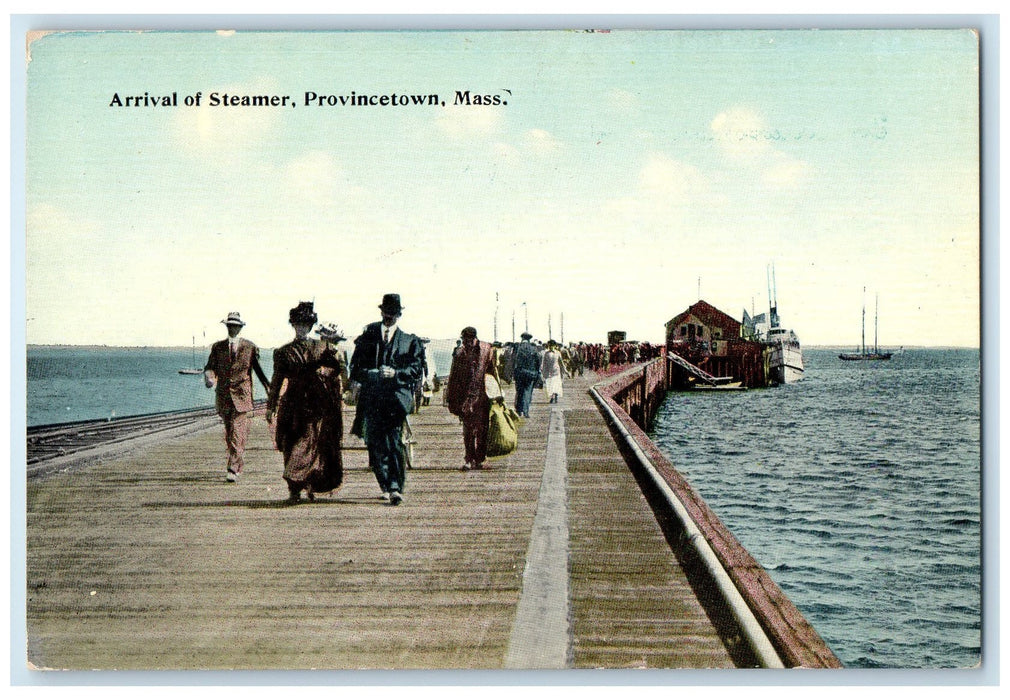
<point x="331" y="332"/>
<point x="303" y="313"/>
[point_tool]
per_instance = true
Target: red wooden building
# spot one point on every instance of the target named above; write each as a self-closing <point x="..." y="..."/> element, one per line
<point x="710" y="339"/>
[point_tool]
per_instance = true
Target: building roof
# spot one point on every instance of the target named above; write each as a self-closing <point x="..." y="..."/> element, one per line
<point x="709" y="316"/>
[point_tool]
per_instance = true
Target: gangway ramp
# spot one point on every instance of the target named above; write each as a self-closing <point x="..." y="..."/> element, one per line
<point x="698" y="372"/>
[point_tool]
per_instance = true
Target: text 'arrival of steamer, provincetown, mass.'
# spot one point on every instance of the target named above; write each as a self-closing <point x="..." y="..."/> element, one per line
<point x="311" y="99"/>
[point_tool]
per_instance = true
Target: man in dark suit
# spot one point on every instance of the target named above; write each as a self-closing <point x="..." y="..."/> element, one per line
<point x="525" y="372"/>
<point x="387" y="363"/>
<point x="230" y="366"/>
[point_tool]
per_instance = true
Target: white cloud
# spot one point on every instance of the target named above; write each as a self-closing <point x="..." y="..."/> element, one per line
<point x="785" y="172"/>
<point x="747" y="140"/>
<point x="541" y="142"/>
<point x="664" y="185"/>
<point x="671" y="180"/>
<point x="741" y="133"/>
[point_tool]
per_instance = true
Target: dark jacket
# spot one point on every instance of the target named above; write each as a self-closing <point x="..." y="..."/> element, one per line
<point x="386" y="400"/>
<point x="527" y="361"/>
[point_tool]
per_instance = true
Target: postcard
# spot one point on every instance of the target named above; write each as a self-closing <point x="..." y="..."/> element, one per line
<point x="793" y="214"/>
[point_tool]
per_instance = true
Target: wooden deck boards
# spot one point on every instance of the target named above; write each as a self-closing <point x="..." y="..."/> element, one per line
<point x="153" y="561"/>
<point x="631" y="602"/>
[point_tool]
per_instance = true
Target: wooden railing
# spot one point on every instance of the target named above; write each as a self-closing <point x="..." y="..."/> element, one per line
<point x="631" y="399"/>
<point x="640" y="391"/>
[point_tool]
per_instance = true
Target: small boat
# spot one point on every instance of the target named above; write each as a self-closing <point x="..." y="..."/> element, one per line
<point x="194" y="369"/>
<point x="731" y="386"/>
<point x="864" y="353"/>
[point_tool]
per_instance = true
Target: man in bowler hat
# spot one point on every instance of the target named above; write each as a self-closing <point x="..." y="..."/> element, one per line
<point x="230" y="365"/>
<point x="387" y="363"/>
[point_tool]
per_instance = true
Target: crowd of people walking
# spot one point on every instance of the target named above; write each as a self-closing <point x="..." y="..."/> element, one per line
<point x="390" y="375"/>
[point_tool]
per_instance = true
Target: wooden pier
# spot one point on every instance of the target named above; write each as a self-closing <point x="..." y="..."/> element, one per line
<point x="554" y="558"/>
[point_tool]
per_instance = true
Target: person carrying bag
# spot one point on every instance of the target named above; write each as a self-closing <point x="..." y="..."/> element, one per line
<point x="469" y="395"/>
<point x="503" y="421"/>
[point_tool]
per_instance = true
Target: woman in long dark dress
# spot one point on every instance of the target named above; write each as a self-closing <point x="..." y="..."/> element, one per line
<point x="305" y="399"/>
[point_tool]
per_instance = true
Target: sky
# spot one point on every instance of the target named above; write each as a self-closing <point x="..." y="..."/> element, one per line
<point x="621" y="177"/>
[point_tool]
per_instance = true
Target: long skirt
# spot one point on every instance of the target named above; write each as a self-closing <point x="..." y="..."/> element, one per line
<point x="552" y="385"/>
<point x="311" y="448"/>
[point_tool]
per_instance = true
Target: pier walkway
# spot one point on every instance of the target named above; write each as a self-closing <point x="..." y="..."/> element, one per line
<point x="551" y="559"/>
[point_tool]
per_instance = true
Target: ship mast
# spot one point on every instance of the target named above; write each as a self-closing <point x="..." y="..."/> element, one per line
<point x="773" y="298"/>
<point x="864" y="322"/>
<point x="876" y="311"/>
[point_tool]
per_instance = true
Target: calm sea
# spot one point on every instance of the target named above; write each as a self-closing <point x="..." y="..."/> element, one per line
<point x="858" y="489"/>
<point x="66" y="383"/>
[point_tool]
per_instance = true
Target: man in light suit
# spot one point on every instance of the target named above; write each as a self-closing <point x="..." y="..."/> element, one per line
<point x="387" y="363"/>
<point x="230" y="366"/>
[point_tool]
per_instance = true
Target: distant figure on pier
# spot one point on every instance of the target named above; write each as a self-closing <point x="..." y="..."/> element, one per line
<point x="429" y="380"/>
<point x="525" y="372"/>
<point x="305" y="398"/>
<point x="466" y="395"/>
<point x="552" y="369"/>
<point x="387" y="363"/>
<point x="506" y="362"/>
<point x="230" y="366"/>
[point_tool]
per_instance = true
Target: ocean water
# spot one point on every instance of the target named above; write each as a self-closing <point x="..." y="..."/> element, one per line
<point x="858" y="489"/>
<point x="66" y="383"/>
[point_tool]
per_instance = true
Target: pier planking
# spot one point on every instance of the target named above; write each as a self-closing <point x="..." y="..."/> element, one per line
<point x="150" y="560"/>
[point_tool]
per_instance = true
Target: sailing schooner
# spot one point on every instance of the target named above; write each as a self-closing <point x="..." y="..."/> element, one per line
<point x="864" y="353"/>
